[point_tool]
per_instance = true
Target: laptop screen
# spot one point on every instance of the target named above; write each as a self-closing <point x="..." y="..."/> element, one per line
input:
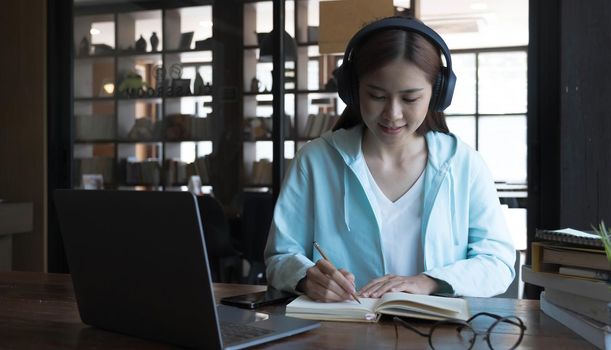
<point x="139" y="266"/>
<point x="138" y="263"/>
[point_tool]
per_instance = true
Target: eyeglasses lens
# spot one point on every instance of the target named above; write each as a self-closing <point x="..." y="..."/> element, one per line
<point x="446" y="337"/>
<point x="505" y="334"/>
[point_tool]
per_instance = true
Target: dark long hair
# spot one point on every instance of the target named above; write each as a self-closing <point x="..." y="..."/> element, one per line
<point x="384" y="46"/>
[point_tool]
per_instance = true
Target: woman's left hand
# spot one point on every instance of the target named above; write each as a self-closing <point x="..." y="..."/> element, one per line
<point x="419" y="284"/>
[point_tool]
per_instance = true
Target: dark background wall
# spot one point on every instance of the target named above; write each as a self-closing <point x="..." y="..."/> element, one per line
<point x="23" y="141"/>
<point x="569" y="124"/>
<point x="585" y="113"/>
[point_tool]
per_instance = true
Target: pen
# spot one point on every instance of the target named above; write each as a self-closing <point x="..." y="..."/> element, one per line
<point x="324" y="256"/>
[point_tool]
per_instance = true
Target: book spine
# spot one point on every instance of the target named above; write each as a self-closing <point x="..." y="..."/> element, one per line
<point x="592" y="331"/>
<point x="596" y="261"/>
<point x="587" y="288"/>
<point x="307" y="130"/>
<point x="592" y="308"/>
<point x="549" y="257"/>
<point x="587" y="273"/>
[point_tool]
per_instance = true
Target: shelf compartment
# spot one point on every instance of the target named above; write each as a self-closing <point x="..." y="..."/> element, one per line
<point x="186" y="27"/>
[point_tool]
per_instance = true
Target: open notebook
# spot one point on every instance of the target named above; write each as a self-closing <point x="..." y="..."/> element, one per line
<point x="399" y="304"/>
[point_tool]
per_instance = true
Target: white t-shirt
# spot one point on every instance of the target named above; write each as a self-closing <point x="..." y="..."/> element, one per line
<point x="400" y="226"/>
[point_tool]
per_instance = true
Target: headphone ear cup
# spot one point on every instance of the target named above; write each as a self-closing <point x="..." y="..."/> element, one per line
<point x="345" y="85"/>
<point x="438" y="93"/>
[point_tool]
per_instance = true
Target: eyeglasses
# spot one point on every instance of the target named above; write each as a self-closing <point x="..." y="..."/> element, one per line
<point x="510" y="332"/>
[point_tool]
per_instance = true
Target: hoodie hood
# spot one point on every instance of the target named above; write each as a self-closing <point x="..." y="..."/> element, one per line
<point x="347" y="142"/>
<point x="441" y="151"/>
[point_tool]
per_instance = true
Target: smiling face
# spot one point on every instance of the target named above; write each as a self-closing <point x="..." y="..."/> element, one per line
<point x="394" y="101"/>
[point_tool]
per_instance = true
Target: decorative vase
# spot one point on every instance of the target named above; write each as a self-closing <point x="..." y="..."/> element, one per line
<point x="84" y="47"/>
<point x="255" y="84"/>
<point x="141" y="44"/>
<point x="198" y="85"/>
<point x="154" y="41"/>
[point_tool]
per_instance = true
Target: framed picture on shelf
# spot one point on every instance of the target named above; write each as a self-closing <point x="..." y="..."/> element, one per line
<point x="181" y="87"/>
<point x="185" y="41"/>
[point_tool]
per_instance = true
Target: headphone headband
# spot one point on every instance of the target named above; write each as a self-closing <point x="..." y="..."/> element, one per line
<point x="405" y="24"/>
<point x="444" y="97"/>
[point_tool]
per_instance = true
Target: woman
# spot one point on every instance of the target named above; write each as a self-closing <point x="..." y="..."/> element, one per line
<point x="394" y="198"/>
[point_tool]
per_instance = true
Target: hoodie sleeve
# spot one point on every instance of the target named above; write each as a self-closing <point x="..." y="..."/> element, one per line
<point x="489" y="265"/>
<point x="291" y="233"/>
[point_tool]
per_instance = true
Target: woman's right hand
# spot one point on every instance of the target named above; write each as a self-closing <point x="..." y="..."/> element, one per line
<point x="323" y="282"/>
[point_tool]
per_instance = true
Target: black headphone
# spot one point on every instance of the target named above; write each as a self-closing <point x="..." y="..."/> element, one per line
<point x="443" y="88"/>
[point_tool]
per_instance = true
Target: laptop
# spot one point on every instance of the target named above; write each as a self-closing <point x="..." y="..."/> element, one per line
<point x="139" y="267"/>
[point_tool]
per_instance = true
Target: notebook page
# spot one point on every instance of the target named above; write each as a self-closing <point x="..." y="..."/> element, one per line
<point x="441" y="306"/>
<point x="305" y="305"/>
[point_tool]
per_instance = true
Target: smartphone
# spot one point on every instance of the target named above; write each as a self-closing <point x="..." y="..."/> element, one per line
<point x="258" y="299"/>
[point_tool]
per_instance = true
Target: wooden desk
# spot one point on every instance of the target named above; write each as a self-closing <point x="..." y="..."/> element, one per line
<point x="38" y="311"/>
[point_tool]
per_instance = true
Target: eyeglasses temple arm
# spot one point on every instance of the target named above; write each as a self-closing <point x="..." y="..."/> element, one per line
<point x="407" y="325"/>
<point x="497" y="317"/>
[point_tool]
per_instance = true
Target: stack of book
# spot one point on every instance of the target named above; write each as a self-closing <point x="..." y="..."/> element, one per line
<point x="260" y="128"/>
<point x="200" y="167"/>
<point x="142" y="173"/>
<point x="178" y="127"/>
<point x="96" y="165"/>
<point x="262" y="171"/>
<point x="317" y="124"/>
<point x="176" y="172"/>
<point x="573" y="269"/>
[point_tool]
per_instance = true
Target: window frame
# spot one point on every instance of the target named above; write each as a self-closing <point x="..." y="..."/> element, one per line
<point x="477" y="115"/>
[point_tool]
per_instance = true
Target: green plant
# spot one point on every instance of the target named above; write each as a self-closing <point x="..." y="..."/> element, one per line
<point x="605" y="235"/>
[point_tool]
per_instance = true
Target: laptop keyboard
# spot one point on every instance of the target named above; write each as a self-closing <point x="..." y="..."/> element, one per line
<point x="233" y="332"/>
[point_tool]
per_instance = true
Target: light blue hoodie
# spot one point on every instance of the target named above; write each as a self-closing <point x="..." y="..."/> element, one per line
<point x="465" y="239"/>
